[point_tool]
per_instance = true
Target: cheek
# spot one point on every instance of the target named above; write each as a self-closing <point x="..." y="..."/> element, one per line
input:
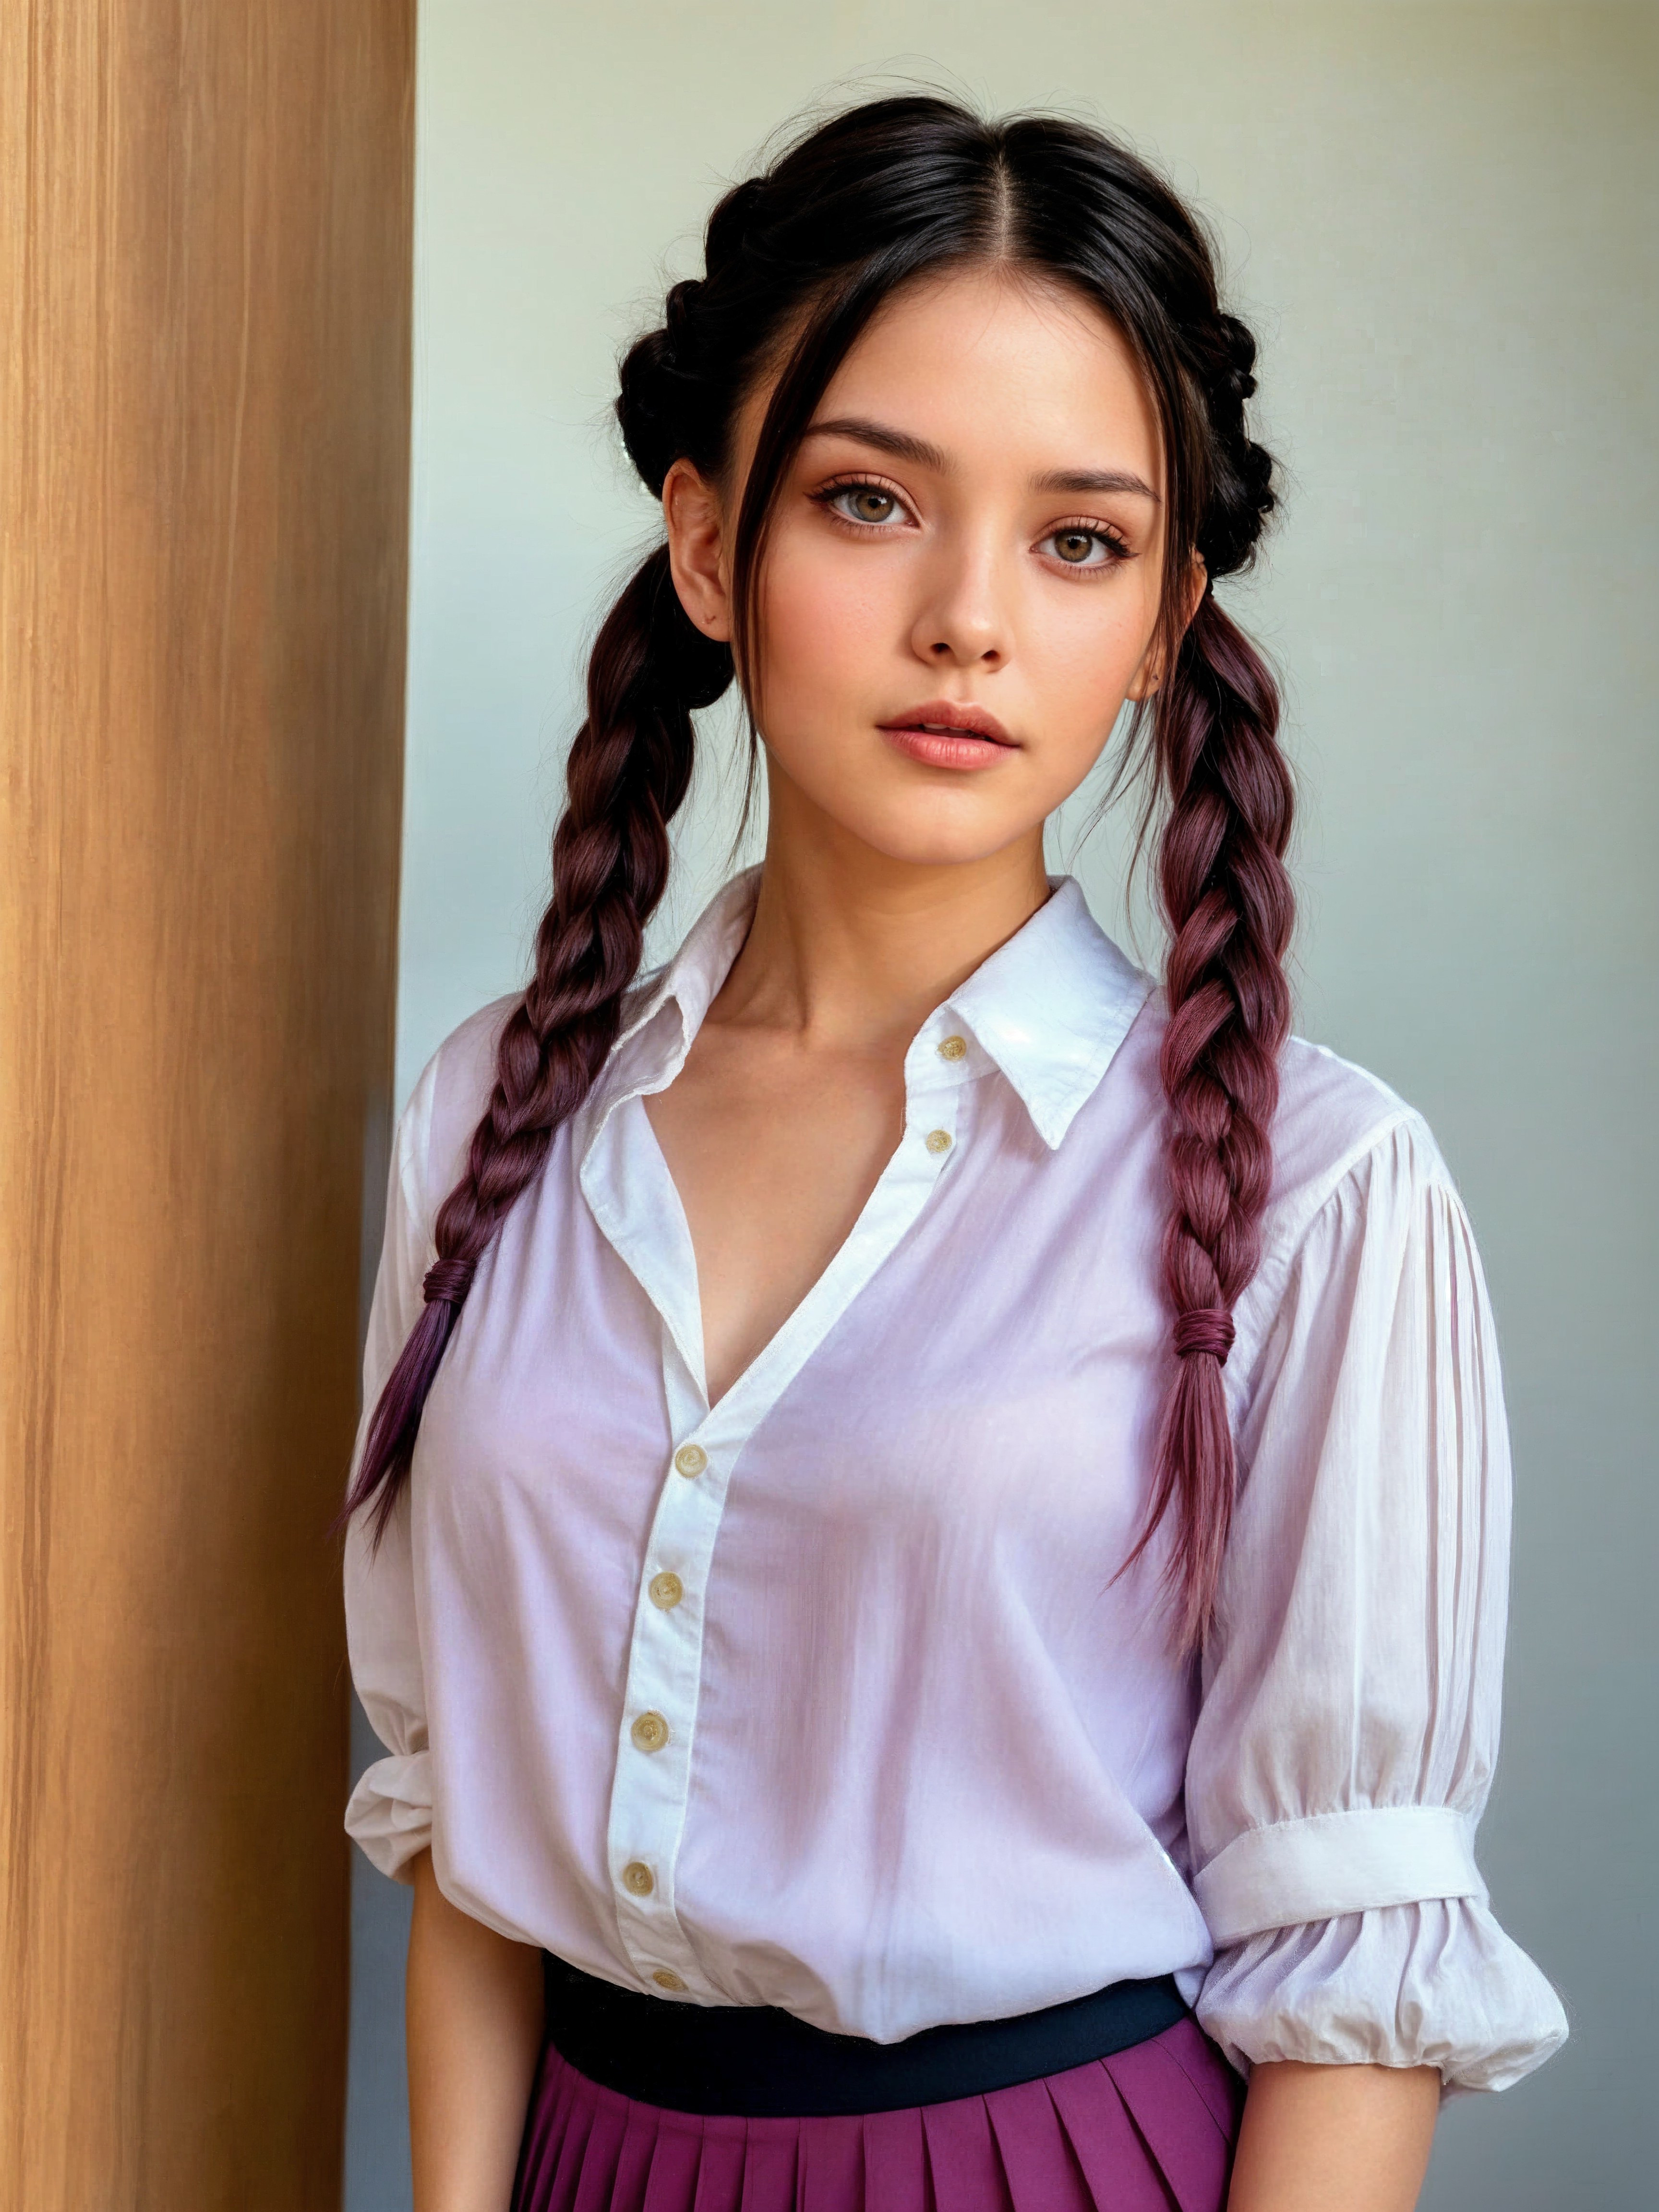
<point x="1081" y="648"/>
<point x="824" y="619"/>
<point x="1086" y="640"/>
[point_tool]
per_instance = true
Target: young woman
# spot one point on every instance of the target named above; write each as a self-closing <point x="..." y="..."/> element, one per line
<point x="929" y="1544"/>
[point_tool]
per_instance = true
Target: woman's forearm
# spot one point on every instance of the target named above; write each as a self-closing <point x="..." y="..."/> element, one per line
<point x="474" y="2014"/>
<point x="1335" y="2138"/>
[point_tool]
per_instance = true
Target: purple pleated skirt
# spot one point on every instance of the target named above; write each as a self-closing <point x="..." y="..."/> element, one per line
<point x="1148" y="2129"/>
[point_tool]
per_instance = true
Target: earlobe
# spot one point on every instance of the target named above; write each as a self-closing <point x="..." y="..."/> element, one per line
<point x="1198" y="582"/>
<point x="1150" y="674"/>
<point x="692" y="517"/>
<point x="1144" y="681"/>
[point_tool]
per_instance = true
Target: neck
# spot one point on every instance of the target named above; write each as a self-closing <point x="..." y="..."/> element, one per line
<point x="851" y="949"/>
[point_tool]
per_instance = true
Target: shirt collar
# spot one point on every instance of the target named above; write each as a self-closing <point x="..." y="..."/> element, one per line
<point x="1050" y="1008"/>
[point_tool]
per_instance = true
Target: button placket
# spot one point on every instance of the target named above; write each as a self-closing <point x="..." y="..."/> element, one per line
<point x="651" y="1786"/>
<point x="660" y="1715"/>
<point x="933" y="1128"/>
<point x="940" y="1063"/>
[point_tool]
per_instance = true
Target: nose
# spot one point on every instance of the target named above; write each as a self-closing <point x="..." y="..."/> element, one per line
<point x="962" y="621"/>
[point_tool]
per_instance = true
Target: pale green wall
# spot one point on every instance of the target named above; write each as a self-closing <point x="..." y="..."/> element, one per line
<point x="1442" y="220"/>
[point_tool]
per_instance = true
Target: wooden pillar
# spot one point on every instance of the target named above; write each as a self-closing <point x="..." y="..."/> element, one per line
<point x="204" y="323"/>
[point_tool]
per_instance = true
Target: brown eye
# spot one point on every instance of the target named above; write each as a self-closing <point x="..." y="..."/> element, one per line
<point x="868" y="503"/>
<point x="1074" y="545"/>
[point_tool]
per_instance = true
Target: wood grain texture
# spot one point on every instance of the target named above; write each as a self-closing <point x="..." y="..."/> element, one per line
<point x="204" y="328"/>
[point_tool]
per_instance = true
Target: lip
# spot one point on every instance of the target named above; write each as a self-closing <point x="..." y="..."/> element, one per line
<point x="940" y="734"/>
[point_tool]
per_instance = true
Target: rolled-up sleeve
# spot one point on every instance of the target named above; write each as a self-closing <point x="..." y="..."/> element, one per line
<point x="1349" y="1720"/>
<point x="389" y="1812"/>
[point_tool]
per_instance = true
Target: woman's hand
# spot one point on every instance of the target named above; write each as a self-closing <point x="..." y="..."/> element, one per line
<point x="474" y="2013"/>
<point x="1335" y="2138"/>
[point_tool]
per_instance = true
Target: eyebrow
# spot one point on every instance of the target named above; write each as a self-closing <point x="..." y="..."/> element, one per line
<point x="903" y="447"/>
<point x="1095" y="480"/>
<point x="899" y="443"/>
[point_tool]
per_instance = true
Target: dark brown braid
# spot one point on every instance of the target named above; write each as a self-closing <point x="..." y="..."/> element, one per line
<point x="1228" y="901"/>
<point x="628" y="768"/>
<point x="1227" y="898"/>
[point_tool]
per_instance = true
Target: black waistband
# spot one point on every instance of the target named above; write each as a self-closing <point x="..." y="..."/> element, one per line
<point x="760" y="2064"/>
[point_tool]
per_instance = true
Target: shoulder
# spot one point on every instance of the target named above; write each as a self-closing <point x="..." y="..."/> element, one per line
<point x="1348" y="1151"/>
<point x="450" y="1094"/>
<point x="1333" y="1119"/>
<point x="1332" y="1114"/>
<point x="452" y="1089"/>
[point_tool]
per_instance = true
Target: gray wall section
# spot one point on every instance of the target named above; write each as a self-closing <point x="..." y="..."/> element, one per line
<point x="377" y="2178"/>
<point x="377" y="2094"/>
<point x="1442" y="220"/>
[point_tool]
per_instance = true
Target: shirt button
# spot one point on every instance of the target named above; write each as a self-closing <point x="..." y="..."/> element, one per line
<point x="665" y="1978"/>
<point x="638" y="1878"/>
<point x="667" y="1591"/>
<point x="938" y="1140"/>
<point x="649" y="1732"/>
<point x="954" y="1047"/>
<point x="691" y="1459"/>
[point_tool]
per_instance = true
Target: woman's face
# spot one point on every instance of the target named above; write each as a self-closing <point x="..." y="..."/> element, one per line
<point x="961" y="584"/>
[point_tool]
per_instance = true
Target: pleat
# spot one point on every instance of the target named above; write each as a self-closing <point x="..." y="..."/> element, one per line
<point x="1041" y="2173"/>
<point x="671" y="2182"/>
<point x="549" y="2099"/>
<point x="1201" y="2062"/>
<point x="719" y="2171"/>
<point x="596" y="2190"/>
<point x="635" y="2160"/>
<point x="832" y="2163"/>
<point x="895" y="2163"/>
<point x="771" y="2166"/>
<point x="1193" y="2151"/>
<point x="962" y="2160"/>
<point x="1118" y="2170"/>
<point x="574" y="2125"/>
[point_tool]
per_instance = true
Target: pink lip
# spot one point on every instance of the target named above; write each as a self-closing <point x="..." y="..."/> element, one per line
<point x="941" y="735"/>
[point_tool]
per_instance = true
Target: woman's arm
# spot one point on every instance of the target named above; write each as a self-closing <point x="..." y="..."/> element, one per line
<point x="474" y="2013"/>
<point x="1335" y="2138"/>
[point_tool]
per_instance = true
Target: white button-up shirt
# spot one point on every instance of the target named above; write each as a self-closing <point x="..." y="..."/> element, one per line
<point x="831" y="1695"/>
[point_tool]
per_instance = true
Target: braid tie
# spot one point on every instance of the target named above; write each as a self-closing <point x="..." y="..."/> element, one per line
<point x="1206" y="1331"/>
<point x="447" y="1281"/>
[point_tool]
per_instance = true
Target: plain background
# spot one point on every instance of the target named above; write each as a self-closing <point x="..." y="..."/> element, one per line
<point x="1442" y="220"/>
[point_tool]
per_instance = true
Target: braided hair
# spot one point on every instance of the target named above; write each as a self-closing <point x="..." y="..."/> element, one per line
<point x="797" y="260"/>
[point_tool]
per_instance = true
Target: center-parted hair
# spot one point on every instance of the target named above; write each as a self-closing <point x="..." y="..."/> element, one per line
<point x="797" y="260"/>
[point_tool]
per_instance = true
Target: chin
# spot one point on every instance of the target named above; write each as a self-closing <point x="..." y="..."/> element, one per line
<point x="890" y="809"/>
<point x="933" y="843"/>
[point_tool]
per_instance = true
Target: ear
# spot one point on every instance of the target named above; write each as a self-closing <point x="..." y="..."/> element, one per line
<point x="697" y="551"/>
<point x="1150" y="674"/>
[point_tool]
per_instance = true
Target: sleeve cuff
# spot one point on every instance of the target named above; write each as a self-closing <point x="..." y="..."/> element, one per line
<point x="1334" y="1864"/>
<point x="390" y="1814"/>
<point x="1436" y="1984"/>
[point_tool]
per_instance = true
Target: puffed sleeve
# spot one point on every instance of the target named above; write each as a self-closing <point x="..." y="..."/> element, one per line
<point x="1348" y="1724"/>
<point x="390" y="1813"/>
